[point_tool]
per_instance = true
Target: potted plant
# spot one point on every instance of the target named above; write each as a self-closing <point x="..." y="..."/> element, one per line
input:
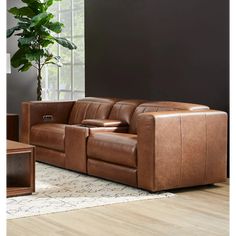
<point x="36" y="31"/>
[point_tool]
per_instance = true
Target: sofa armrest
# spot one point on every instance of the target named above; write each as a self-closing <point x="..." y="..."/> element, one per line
<point x="181" y="106"/>
<point x="75" y="147"/>
<point x="181" y="148"/>
<point x="104" y="123"/>
<point x="43" y="111"/>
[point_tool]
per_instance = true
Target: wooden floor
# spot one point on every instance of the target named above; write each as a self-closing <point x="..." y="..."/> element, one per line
<point x="196" y="211"/>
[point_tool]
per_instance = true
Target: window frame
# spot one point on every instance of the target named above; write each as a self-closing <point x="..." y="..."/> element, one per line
<point x="74" y="93"/>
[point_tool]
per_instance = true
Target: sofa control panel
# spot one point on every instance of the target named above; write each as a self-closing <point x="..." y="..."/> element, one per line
<point x="47" y="117"/>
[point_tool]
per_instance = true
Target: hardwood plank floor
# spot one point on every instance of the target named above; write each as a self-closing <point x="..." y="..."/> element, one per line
<point x="201" y="211"/>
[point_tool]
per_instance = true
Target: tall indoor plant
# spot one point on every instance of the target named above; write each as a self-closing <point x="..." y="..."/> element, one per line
<point x="36" y="31"/>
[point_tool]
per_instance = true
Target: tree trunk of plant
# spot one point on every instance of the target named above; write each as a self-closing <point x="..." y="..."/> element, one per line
<point x="39" y="86"/>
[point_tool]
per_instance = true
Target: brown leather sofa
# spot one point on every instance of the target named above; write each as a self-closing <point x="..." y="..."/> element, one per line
<point x="150" y="145"/>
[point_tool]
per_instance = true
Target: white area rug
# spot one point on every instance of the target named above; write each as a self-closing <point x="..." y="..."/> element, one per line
<point x="60" y="190"/>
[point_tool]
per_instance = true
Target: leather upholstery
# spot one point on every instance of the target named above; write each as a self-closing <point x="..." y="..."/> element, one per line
<point x="113" y="147"/>
<point x="121" y="129"/>
<point x="181" y="106"/>
<point x="181" y="148"/>
<point x="33" y="112"/>
<point x="104" y="123"/>
<point x="123" y="110"/>
<point x="90" y="108"/>
<point x="113" y="172"/>
<point x="75" y="147"/>
<point x="50" y="156"/>
<point x="49" y="135"/>
<point x="164" y="145"/>
<point x="161" y="106"/>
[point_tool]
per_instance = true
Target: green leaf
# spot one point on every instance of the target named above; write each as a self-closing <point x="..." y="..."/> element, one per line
<point x="23" y="25"/>
<point x="25" y="67"/>
<point x="34" y="55"/>
<point x="55" y="26"/>
<point x="37" y="7"/>
<point x="46" y="42"/>
<point x="44" y="31"/>
<point x="11" y="31"/>
<point x="48" y="57"/>
<point x="26" y="41"/>
<point x="29" y="1"/>
<point x="23" y="11"/>
<point x="65" y="43"/>
<point x="24" y="19"/>
<point x="41" y="19"/>
<point x="55" y="60"/>
<point x="48" y="3"/>
<point x="18" y="58"/>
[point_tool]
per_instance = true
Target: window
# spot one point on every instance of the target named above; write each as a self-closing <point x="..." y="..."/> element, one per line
<point x="67" y="82"/>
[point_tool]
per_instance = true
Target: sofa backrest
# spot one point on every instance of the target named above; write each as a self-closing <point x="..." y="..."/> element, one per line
<point x="123" y="110"/>
<point x="91" y="108"/>
<point x="161" y="106"/>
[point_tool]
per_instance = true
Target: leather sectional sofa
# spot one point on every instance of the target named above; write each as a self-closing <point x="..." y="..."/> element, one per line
<point x="151" y="145"/>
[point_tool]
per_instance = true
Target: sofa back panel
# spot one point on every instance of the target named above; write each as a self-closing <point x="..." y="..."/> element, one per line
<point x="123" y="110"/>
<point x="161" y="106"/>
<point x="90" y="108"/>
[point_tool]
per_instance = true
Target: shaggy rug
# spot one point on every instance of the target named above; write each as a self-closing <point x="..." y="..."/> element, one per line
<point x="60" y="190"/>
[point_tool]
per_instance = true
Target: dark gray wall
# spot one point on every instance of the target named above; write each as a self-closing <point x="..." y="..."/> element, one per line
<point x="20" y="86"/>
<point x="158" y="49"/>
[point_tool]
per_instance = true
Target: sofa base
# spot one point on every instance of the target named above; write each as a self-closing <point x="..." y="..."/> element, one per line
<point x="51" y="157"/>
<point x="113" y="172"/>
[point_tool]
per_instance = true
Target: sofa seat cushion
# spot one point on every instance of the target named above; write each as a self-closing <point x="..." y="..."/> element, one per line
<point x="117" y="148"/>
<point x="49" y="135"/>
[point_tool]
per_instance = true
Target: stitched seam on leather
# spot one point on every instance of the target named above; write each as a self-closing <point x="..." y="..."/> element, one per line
<point x="127" y="104"/>
<point x="131" y="114"/>
<point x="181" y="141"/>
<point x="86" y="109"/>
<point x="206" y="157"/>
<point x="136" y="119"/>
<point x="155" y="166"/>
<point x="119" y="112"/>
<point x="76" y="113"/>
<point x="97" y="110"/>
<point x="110" y="110"/>
<point x="154" y="155"/>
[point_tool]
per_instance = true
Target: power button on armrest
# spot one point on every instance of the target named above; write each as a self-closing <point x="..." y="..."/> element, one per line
<point x="47" y="117"/>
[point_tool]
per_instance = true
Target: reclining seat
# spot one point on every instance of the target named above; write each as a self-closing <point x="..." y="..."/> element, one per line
<point x="114" y="155"/>
<point x="46" y="123"/>
<point x="117" y="122"/>
<point x="132" y="158"/>
<point x="113" y="147"/>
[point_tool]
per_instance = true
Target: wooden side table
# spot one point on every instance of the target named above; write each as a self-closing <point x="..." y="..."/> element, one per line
<point x="13" y="127"/>
<point x="20" y="169"/>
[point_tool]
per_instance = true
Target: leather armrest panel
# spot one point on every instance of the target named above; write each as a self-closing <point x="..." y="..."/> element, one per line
<point x="181" y="148"/>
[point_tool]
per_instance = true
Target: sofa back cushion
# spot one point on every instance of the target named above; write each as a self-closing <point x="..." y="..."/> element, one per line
<point x="123" y="110"/>
<point x="90" y="108"/>
<point x="161" y="106"/>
